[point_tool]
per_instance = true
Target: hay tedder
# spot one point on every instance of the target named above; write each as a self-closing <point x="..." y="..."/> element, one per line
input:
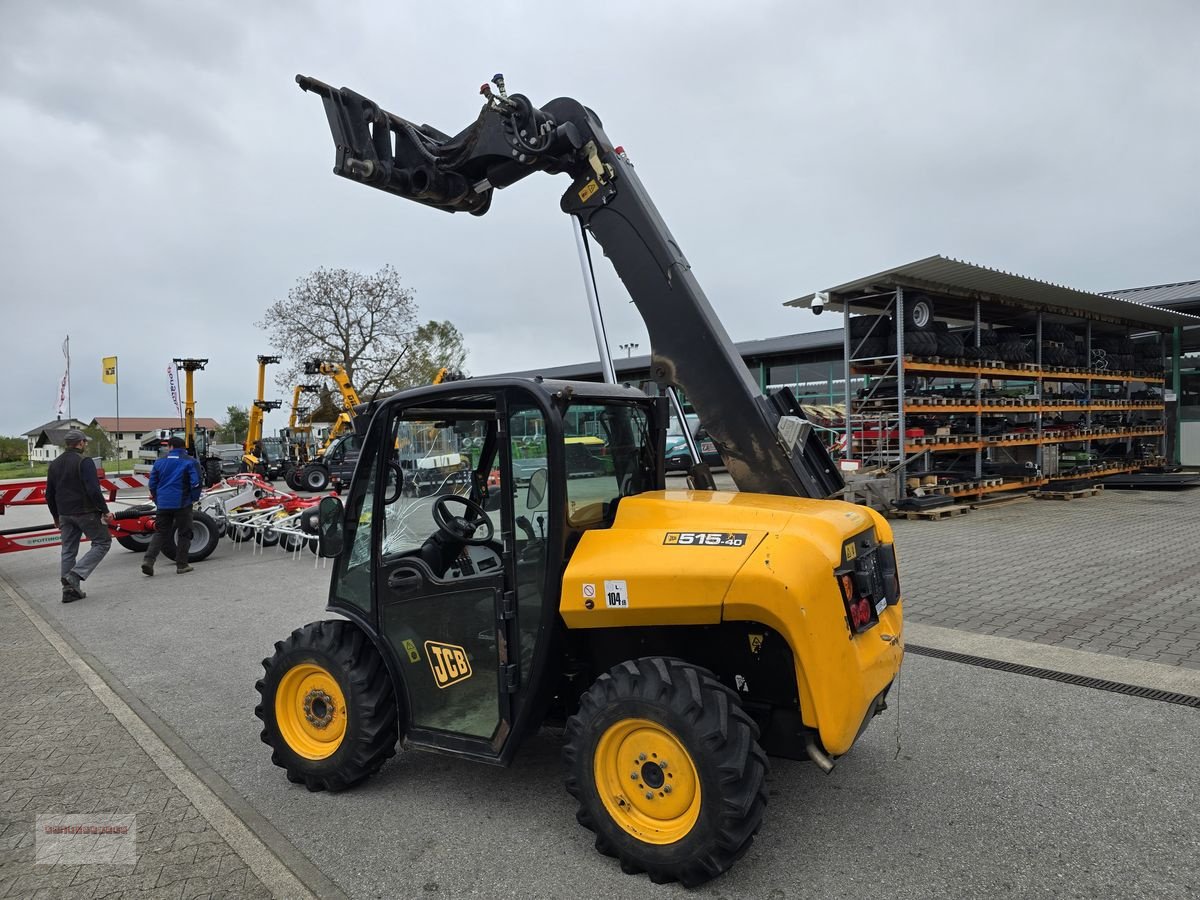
<point x="245" y="508"/>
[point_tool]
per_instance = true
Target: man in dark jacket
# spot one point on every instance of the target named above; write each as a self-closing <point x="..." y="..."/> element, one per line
<point x="175" y="484"/>
<point x="78" y="508"/>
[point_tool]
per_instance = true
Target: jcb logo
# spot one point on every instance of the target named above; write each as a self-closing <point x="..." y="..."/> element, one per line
<point x="449" y="663"/>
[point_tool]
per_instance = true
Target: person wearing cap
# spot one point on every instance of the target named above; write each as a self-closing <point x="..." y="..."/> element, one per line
<point x="78" y="508"/>
<point x="175" y="484"/>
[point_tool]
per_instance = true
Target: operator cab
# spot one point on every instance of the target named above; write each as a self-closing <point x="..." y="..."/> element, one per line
<point x="470" y="497"/>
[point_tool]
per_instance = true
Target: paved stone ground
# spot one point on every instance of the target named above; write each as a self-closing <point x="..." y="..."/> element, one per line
<point x="63" y="753"/>
<point x="1117" y="573"/>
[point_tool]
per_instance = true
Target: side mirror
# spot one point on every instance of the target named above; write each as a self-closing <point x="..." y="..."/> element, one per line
<point x="538" y="483"/>
<point x="331" y="529"/>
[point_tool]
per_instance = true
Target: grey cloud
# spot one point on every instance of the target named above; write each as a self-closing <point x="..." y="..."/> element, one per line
<point x="163" y="178"/>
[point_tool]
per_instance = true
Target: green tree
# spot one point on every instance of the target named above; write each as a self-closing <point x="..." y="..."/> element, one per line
<point x="13" y="449"/>
<point x="237" y="423"/>
<point x="434" y="345"/>
<point x="99" y="443"/>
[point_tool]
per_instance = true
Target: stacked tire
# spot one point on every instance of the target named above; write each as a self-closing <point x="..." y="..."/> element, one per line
<point x="871" y="337"/>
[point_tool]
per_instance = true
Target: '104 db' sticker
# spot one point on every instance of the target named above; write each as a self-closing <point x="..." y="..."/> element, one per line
<point x="705" y="538"/>
<point x="616" y="595"/>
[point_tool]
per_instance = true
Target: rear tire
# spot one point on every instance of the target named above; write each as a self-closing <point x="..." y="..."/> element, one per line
<point x="315" y="478"/>
<point x="328" y="706"/>
<point x="205" y="537"/>
<point x="672" y="725"/>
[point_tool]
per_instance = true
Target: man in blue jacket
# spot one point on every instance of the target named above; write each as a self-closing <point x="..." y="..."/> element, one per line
<point x="175" y="484"/>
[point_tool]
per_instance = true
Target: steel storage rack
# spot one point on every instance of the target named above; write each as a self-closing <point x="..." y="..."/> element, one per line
<point x="975" y="382"/>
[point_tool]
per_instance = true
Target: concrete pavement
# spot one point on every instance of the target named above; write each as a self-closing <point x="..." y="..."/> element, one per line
<point x="974" y="783"/>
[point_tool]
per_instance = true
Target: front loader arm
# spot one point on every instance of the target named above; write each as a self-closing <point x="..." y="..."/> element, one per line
<point x="766" y="442"/>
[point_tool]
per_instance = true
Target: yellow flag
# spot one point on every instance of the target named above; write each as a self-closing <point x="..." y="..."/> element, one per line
<point x="109" y="364"/>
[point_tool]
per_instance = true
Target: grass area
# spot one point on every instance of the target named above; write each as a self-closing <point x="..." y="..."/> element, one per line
<point x="22" y="468"/>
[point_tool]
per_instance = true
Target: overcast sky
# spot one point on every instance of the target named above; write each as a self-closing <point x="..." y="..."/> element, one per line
<point x="163" y="179"/>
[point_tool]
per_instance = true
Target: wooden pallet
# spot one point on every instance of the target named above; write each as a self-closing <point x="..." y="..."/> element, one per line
<point x="941" y="512"/>
<point x="999" y="500"/>
<point x="1066" y="495"/>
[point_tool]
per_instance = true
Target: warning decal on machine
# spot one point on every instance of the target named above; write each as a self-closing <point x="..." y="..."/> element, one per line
<point x="706" y="538"/>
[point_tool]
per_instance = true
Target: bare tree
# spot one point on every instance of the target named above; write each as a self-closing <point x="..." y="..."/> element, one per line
<point x="362" y="322"/>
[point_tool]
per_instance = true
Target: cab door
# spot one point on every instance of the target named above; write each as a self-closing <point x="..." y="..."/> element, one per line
<point x="450" y="611"/>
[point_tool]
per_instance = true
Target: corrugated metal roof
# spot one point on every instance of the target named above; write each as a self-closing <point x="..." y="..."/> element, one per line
<point x="1159" y="293"/>
<point x="827" y="339"/>
<point x="1011" y="295"/>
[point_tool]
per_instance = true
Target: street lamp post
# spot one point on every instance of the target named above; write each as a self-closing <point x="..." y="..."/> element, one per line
<point x="628" y="348"/>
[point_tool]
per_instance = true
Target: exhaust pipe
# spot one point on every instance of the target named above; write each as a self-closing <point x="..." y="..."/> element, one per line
<point x="817" y="755"/>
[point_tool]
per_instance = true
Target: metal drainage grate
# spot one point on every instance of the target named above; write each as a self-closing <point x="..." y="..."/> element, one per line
<point x="1081" y="680"/>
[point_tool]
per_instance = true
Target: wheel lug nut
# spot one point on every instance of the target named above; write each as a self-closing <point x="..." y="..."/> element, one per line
<point x="642" y="757"/>
<point x="666" y="789"/>
<point x="633" y="776"/>
<point x="662" y="764"/>
<point x="649" y="795"/>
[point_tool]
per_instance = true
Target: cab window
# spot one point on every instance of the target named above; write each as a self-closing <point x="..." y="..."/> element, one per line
<point x="608" y="452"/>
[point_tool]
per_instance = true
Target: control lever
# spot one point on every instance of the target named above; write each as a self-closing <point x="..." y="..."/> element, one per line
<point x="541" y="520"/>
<point x="523" y="524"/>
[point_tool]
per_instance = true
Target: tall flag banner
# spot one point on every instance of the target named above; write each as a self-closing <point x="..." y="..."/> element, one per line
<point x="109" y="366"/>
<point x="62" y="396"/>
<point x="64" y="386"/>
<point x="174" y="390"/>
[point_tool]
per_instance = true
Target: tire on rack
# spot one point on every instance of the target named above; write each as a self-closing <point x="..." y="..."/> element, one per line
<point x="948" y="345"/>
<point x="205" y="536"/>
<point x="920" y="343"/>
<point x="872" y="347"/>
<point x="137" y="542"/>
<point x="875" y="326"/>
<point x="918" y="312"/>
<point x="668" y="728"/>
<point x="315" y="478"/>
<point x="328" y="706"/>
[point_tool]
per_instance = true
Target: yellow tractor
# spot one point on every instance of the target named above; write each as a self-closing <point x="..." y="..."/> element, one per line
<point x="680" y="636"/>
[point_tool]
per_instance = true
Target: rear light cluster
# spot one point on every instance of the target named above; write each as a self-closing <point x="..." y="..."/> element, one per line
<point x="858" y="610"/>
<point x="868" y="583"/>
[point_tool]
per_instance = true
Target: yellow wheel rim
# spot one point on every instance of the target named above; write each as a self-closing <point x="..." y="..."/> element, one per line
<point x="647" y="781"/>
<point x="310" y="711"/>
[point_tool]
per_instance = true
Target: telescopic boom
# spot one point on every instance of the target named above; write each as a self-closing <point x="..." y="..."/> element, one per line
<point x="766" y="441"/>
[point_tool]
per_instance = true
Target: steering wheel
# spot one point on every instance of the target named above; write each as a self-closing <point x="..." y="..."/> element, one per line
<point x="458" y="528"/>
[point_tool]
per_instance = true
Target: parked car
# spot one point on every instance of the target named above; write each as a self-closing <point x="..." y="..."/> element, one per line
<point x="678" y="459"/>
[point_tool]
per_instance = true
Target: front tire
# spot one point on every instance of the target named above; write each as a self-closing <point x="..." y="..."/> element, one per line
<point x="137" y="541"/>
<point x="699" y="793"/>
<point x="328" y="706"/>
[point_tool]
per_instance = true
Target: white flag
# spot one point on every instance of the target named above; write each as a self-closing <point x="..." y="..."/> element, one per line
<point x="62" y="396"/>
<point x="174" y="389"/>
